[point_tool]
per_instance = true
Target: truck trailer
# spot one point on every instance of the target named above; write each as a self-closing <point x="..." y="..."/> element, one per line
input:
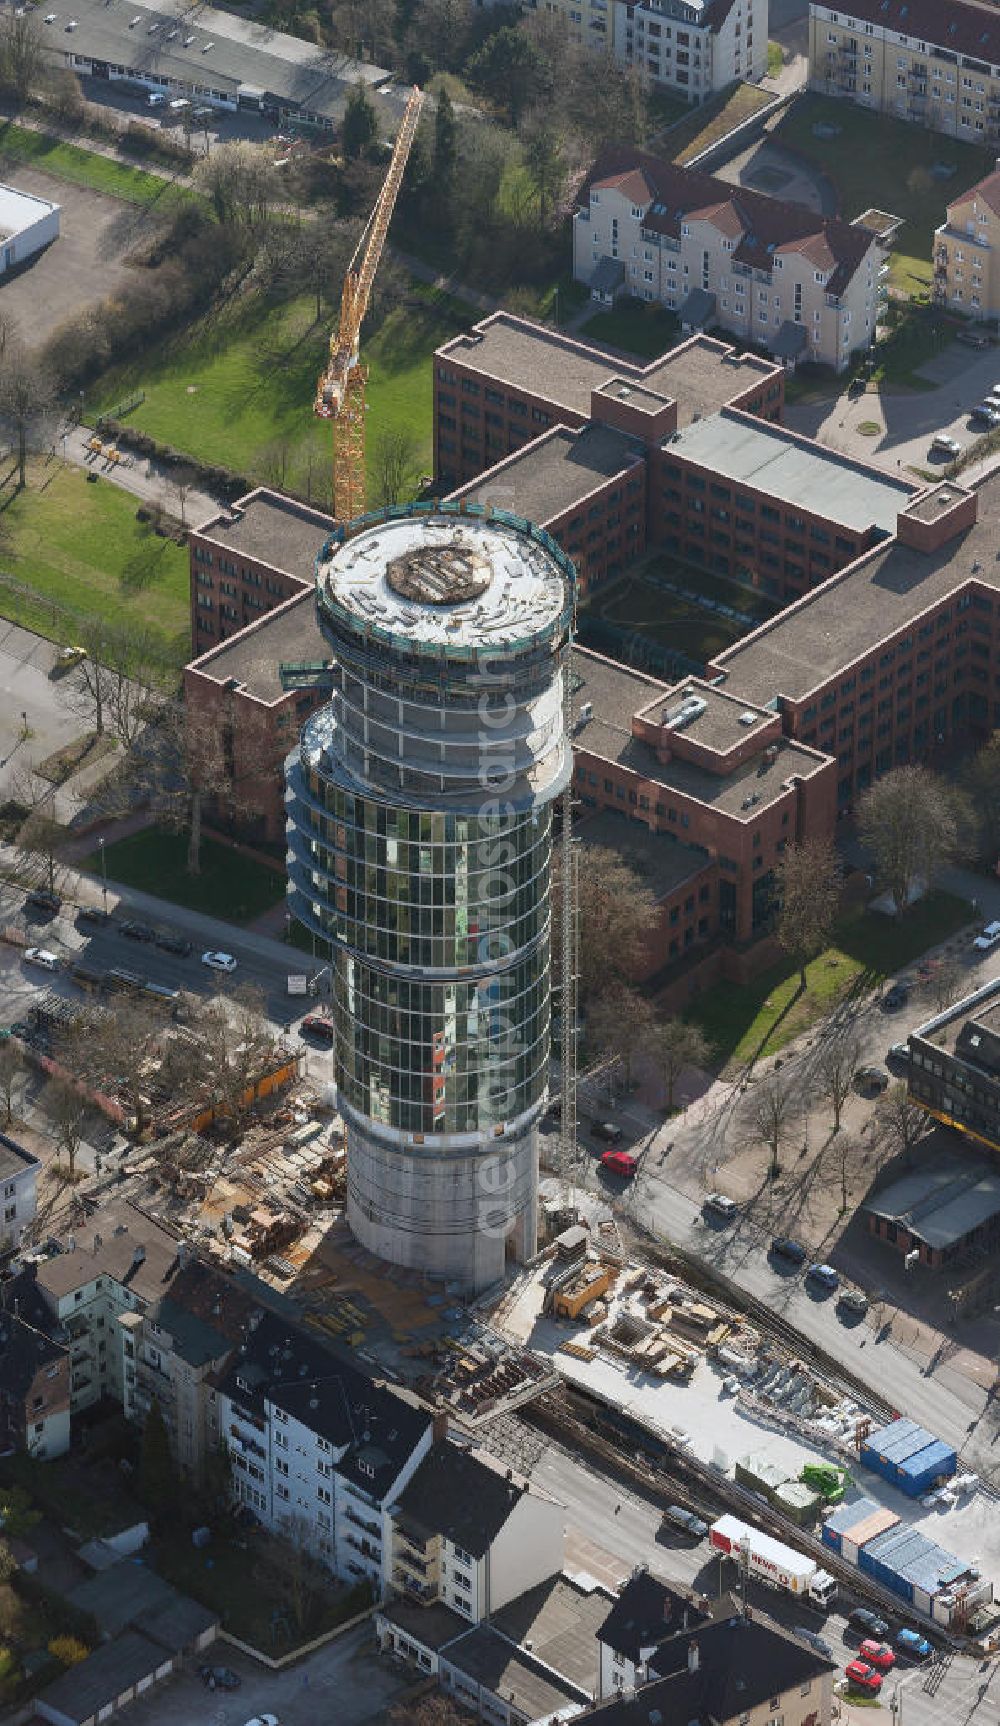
<point x="773" y="1562"/>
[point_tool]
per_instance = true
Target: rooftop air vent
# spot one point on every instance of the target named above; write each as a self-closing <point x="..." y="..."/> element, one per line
<point x="748" y="718"/>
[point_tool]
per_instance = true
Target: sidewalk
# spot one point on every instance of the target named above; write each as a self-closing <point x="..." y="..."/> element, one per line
<point x="143" y="476"/>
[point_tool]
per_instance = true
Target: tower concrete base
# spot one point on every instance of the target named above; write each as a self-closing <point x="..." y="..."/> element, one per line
<point x="457" y="1217"/>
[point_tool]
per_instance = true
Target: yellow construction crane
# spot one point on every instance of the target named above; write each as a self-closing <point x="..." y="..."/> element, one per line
<point x="340" y="393"/>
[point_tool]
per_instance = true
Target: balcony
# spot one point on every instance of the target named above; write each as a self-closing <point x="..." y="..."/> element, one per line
<point x="365" y="1547"/>
<point x="422" y="1591"/>
<point x="359" y="1522"/>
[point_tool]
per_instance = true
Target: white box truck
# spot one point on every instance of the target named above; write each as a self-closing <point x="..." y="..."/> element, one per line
<point x="772" y="1561"/>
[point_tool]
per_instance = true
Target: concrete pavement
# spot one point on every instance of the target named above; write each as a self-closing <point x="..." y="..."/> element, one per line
<point x="146" y="478"/>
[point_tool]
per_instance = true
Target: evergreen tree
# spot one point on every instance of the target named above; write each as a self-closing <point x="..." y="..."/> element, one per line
<point x="445" y="150"/>
<point x="360" y="128"/>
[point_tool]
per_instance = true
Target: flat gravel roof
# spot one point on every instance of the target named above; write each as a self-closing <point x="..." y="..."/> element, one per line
<point x="740" y="447"/>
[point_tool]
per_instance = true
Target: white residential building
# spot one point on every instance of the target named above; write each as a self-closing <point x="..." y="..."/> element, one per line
<point x="123" y="1263"/>
<point x="775" y="274"/>
<point x="692" y="48"/>
<point x="470" y="1533"/>
<point x="19" y="1179"/>
<point x="318" y="1450"/>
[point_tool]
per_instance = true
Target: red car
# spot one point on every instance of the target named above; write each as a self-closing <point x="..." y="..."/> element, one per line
<point x="878" y="1654"/>
<point x="862" y="1677"/>
<point x="315" y="1025"/>
<point x="619" y="1163"/>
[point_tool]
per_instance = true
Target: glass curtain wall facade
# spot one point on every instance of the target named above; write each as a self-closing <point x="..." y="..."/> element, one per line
<point x="420" y="838"/>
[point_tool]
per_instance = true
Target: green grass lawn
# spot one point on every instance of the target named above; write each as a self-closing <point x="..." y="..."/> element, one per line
<point x="76" y="549"/>
<point x="886" y="164"/>
<point x="637" y="328"/>
<point x="230" y="886"/>
<point x="744" y="1023"/>
<point x="238" y="391"/>
<point x="87" y="168"/>
<point x="715" y="118"/>
<point x="915" y="338"/>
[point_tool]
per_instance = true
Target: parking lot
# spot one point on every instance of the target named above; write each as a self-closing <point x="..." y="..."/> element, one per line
<point x="908" y="421"/>
<point x="84" y="265"/>
<point x="343" y="1682"/>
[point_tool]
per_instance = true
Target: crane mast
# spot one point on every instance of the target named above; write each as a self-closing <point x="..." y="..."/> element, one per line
<point x="340" y="392"/>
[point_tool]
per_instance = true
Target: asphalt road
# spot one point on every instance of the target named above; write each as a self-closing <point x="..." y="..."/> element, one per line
<point x="627" y="1524"/>
<point x="262" y="963"/>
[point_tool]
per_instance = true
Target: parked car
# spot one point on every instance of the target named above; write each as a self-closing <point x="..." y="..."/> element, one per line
<point x="42" y="957"/>
<point x="685" y="1520"/>
<point x="93" y="914"/>
<point x="868" y="1623"/>
<point x="989" y="938"/>
<point x="609" y="1131"/>
<point x="814" y="1640"/>
<point x="264" y="1720"/>
<point x="861" y="1676"/>
<point x="870" y="1081"/>
<point x="219" y="1678"/>
<point x="877" y="1654"/>
<point x="973" y="339"/>
<point x="137" y="931"/>
<point x="912" y="1644"/>
<point x="168" y="942"/>
<point x="946" y="446"/>
<point x="219" y="961"/>
<point x="718" y="1205"/>
<point x="895" y="998"/>
<point x="40" y="899"/>
<point x="898" y="1055"/>
<point x="985" y="414"/>
<point x="824" y="1275"/>
<point x="67" y="657"/>
<point x="155" y="99"/>
<point x="315" y="1025"/>
<point x="853" y="1301"/>
<point x="784" y="1247"/>
<point x="619" y="1163"/>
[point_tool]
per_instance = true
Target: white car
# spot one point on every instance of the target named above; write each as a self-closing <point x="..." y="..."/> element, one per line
<point x="219" y="961"/>
<point x="944" y="445"/>
<point x="990" y="937"/>
<point x="41" y="956"/>
<point x="264" y="1720"/>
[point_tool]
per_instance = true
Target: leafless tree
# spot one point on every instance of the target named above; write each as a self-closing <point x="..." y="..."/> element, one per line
<point x="674" y="1046"/>
<point x="836" y="1065"/>
<point x="981" y="780"/>
<point x="114" y="1051"/>
<point x="849" y="1156"/>
<point x="293" y="1575"/>
<point x="11" y="1074"/>
<point x="187" y="762"/>
<point x="22" y="59"/>
<point x="620" y="1023"/>
<point x="40" y="843"/>
<point x="910" y="820"/>
<point x="900" y="1123"/>
<point x="945" y="981"/>
<point x="182" y="479"/>
<point x="67" y="1109"/>
<point x="616" y="915"/>
<point x="775" y="1112"/>
<point x="807" y="889"/>
<point x="228" y="1046"/>
<point x="396" y="455"/>
<point x="239" y="181"/>
<point x="27" y="400"/>
<point x="435" y="1710"/>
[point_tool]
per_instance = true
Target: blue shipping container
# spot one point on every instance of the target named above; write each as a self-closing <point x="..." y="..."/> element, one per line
<point x="936" y="1461"/>
<point x="900" y="1438"/>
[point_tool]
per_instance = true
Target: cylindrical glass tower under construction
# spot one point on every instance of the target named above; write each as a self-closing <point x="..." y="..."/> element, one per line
<point x="419" y="833"/>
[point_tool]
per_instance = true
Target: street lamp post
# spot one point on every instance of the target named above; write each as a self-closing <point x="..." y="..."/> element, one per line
<point x="81" y="407"/>
<point x="104" y="875"/>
